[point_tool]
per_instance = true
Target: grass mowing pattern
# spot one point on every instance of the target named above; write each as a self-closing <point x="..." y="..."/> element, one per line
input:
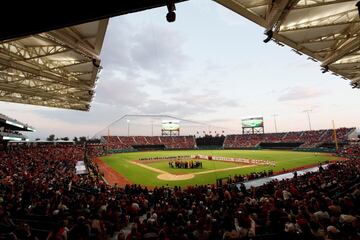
<point x="136" y="174"/>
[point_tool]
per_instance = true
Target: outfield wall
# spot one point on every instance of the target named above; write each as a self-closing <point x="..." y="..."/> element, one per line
<point x="235" y="160"/>
<point x="325" y="150"/>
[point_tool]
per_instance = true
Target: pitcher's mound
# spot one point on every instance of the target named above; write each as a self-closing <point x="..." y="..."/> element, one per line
<point x="172" y="177"/>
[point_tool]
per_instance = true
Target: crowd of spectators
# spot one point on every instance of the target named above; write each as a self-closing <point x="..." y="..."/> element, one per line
<point x="114" y="143"/>
<point x="33" y="180"/>
<point x="40" y="190"/>
<point x="313" y="138"/>
<point x="238" y="178"/>
<point x="306" y="139"/>
<point x="273" y="137"/>
<point x="170" y="142"/>
<point x="292" y="137"/>
<point x="341" y="134"/>
<point x="95" y="150"/>
<point x="350" y="151"/>
<point x="243" y="140"/>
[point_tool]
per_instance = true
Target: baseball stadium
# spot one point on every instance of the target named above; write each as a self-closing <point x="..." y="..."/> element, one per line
<point x="154" y="160"/>
<point x="176" y="119"/>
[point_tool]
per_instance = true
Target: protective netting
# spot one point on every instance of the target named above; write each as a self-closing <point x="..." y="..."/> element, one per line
<point x="158" y="125"/>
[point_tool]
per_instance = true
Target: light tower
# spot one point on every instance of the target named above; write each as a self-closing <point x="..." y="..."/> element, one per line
<point x="128" y="125"/>
<point x="308" y="115"/>
<point x="275" y="115"/>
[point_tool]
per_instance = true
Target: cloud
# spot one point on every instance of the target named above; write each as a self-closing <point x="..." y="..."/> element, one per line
<point x="158" y="48"/>
<point x="298" y="93"/>
<point x="206" y="101"/>
<point x="141" y="65"/>
<point x="144" y="50"/>
<point x="184" y="103"/>
<point x="118" y="89"/>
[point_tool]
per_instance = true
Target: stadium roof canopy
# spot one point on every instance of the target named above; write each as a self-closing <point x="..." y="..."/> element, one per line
<point x="325" y="30"/>
<point x="50" y="56"/>
<point x="56" y="68"/>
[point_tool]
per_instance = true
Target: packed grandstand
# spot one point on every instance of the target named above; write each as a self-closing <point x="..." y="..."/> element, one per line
<point x="302" y="139"/>
<point x="43" y="196"/>
<point x="132" y="142"/>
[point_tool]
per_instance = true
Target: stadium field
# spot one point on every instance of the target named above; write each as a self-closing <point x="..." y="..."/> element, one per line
<point x="146" y="172"/>
<point x="206" y="166"/>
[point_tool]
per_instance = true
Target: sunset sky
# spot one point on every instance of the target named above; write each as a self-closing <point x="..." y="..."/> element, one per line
<point x="210" y="66"/>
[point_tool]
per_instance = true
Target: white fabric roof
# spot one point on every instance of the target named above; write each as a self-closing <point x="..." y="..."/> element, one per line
<point x="55" y="69"/>
<point x="325" y="30"/>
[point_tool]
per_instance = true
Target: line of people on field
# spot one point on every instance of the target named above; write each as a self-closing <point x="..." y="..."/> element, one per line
<point x="185" y="164"/>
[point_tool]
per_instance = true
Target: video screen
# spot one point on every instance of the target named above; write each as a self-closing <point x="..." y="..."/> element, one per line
<point x="170" y="125"/>
<point x="252" y="122"/>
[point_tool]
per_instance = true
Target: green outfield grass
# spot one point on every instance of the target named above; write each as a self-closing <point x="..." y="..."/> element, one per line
<point x="139" y="175"/>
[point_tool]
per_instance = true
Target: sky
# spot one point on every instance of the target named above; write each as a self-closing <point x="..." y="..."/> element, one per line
<point x="211" y="66"/>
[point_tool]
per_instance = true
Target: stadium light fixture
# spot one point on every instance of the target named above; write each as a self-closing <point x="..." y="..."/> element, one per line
<point x="279" y="43"/>
<point x="269" y="34"/>
<point x="171" y="15"/>
<point x="297" y="52"/>
<point x="96" y="62"/>
<point x="99" y="70"/>
<point x="325" y="69"/>
<point x="312" y="59"/>
<point x="354" y="84"/>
